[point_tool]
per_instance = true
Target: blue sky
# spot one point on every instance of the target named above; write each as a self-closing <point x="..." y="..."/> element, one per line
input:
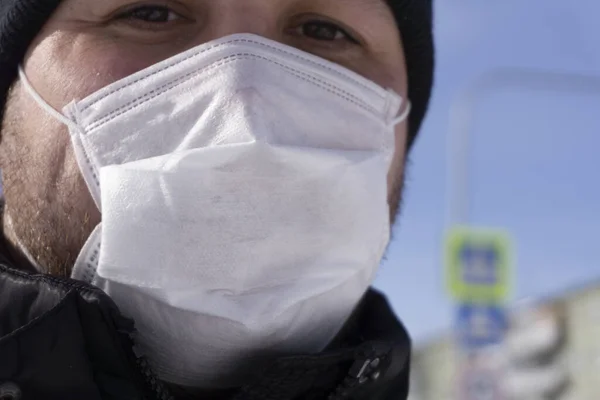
<point x="534" y="169"/>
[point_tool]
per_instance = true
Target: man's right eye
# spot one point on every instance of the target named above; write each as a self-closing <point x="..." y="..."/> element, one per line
<point x="151" y="15"/>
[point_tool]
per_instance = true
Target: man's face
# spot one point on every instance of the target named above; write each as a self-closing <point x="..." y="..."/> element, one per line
<point x="89" y="44"/>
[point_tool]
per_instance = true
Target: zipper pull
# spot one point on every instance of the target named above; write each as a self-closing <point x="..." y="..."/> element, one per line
<point x="361" y="372"/>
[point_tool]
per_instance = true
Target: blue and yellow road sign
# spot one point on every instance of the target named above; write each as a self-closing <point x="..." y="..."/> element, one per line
<point x="479" y="265"/>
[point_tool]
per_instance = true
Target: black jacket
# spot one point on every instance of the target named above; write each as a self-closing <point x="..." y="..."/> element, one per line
<point x="63" y="339"/>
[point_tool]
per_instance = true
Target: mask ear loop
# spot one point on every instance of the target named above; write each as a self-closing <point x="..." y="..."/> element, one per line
<point x="400" y="118"/>
<point x="73" y="127"/>
<point x="42" y="103"/>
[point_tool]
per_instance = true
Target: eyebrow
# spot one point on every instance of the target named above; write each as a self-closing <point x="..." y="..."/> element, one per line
<point x="372" y="5"/>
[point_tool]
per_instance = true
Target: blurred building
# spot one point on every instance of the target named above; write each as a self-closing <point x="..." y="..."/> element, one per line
<point x="583" y="310"/>
<point x="551" y="352"/>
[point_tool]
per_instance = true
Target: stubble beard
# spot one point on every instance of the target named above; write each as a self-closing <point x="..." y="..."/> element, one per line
<point x="43" y="228"/>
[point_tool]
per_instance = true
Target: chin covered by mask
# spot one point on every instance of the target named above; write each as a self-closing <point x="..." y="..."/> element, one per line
<point x="243" y="192"/>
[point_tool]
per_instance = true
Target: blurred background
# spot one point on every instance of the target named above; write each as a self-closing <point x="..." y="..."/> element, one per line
<point x="510" y="143"/>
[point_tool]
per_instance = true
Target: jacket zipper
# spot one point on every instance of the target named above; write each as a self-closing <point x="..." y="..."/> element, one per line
<point x="156" y="386"/>
<point x="157" y="389"/>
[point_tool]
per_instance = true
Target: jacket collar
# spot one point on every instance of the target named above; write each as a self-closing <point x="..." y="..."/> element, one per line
<point x="369" y="359"/>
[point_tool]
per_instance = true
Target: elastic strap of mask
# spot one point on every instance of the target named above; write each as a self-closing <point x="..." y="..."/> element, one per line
<point x="42" y="103"/>
<point x="400" y="118"/>
<point x="86" y="264"/>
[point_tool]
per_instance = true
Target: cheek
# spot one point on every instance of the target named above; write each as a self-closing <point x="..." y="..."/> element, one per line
<point x="52" y="172"/>
<point x="397" y="168"/>
<point x="80" y="66"/>
<point x="49" y="165"/>
<point x="390" y="72"/>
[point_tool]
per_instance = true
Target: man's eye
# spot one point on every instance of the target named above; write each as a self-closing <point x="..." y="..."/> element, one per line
<point x="150" y="14"/>
<point x="324" y="31"/>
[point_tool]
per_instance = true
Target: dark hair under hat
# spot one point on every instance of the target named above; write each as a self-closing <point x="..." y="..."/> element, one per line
<point x="21" y="20"/>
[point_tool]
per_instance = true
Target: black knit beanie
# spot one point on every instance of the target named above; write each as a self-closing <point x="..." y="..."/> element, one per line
<point x="21" y="20"/>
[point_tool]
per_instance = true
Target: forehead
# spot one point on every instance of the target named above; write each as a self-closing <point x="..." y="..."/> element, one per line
<point x="376" y="4"/>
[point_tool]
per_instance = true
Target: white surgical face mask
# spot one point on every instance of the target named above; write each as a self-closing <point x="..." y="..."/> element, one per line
<point x="243" y="192"/>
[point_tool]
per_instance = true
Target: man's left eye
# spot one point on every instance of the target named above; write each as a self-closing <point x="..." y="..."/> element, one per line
<point x="324" y="31"/>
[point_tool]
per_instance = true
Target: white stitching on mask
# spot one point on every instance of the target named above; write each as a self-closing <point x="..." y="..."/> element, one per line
<point x="177" y="62"/>
<point x="183" y="79"/>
